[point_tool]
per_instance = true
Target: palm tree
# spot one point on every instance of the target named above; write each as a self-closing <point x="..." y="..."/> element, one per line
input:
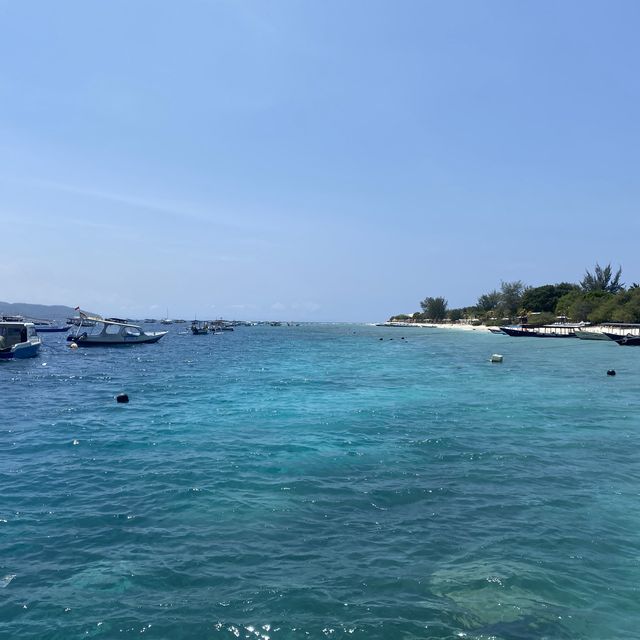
<point x="602" y="279"/>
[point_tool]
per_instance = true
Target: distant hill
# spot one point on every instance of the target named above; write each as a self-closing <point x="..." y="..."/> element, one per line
<point x="37" y="311"/>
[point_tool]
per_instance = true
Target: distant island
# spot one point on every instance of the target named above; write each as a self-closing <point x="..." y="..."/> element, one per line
<point x="600" y="297"/>
<point x="60" y="313"/>
<point x="40" y="311"/>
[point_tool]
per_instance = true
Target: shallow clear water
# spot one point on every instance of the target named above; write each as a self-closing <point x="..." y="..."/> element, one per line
<point x="316" y="481"/>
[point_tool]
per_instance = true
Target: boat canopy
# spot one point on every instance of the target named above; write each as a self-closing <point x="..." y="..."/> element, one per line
<point x="107" y="321"/>
<point x="12" y="333"/>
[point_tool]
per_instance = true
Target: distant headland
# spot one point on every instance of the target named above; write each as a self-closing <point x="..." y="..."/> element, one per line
<point x="44" y="311"/>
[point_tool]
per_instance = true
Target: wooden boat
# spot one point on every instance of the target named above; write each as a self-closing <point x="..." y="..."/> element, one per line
<point x="221" y="325"/>
<point x="109" y="333"/>
<point x="47" y="326"/>
<point x="624" y="340"/>
<point x="199" y="328"/>
<point x="556" y="330"/>
<point x="18" y="340"/>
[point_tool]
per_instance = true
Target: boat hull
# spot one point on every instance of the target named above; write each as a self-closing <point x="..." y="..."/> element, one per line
<point x="592" y="335"/>
<point x="199" y="328"/>
<point x="97" y="341"/>
<point x="624" y="341"/>
<point x="18" y="340"/>
<point x="536" y="333"/>
<point x="20" y="351"/>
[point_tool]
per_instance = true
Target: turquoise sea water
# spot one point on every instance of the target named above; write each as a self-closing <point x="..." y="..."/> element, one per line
<point x="316" y="481"/>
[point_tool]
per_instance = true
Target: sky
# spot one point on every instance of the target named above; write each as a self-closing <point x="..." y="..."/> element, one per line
<point x="313" y="161"/>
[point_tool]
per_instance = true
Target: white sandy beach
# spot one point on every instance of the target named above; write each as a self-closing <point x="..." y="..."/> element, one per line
<point x="460" y="327"/>
<point x="438" y="325"/>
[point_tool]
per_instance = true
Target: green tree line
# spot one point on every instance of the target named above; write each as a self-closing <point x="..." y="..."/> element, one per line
<point x="599" y="297"/>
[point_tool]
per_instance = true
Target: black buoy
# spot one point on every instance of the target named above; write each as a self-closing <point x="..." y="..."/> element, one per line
<point x="611" y="372"/>
<point x="122" y="398"/>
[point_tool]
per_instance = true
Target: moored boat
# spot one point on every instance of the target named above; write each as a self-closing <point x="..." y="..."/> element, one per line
<point x="555" y="330"/>
<point x="18" y="340"/>
<point x="624" y="340"/>
<point x="221" y="325"/>
<point x="199" y="328"/>
<point x="48" y="326"/>
<point x="109" y="333"/>
<point x="585" y="334"/>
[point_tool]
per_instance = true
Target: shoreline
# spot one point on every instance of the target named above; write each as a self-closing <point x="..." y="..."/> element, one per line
<point x="436" y="325"/>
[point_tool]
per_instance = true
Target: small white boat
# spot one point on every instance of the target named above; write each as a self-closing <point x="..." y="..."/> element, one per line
<point x="166" y="319"/>
<point x="18" y="340"/>
<point x="111" y="333"/>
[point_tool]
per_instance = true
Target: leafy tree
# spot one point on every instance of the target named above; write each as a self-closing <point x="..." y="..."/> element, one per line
<point x="621" y="307"/>
<point x="579" y="305"/>
<point x="511" y="295"/>
<point x="542" y="298"/>
<point x="630" y="312"/>
<point x="602" y="279"/>
<point x="545" y="298"/>
<point x="566" y="287"/>
<point x="489" y="301"/>
<point x="543" y="317"/>
<point x="456" y="314"/>
<point x="434" y="308"/>
<point x="605" y="309"/>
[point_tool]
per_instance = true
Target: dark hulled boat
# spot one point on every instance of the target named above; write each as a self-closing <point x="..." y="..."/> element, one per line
<point x="199" y="328"/>
<point x="49" y="327"/>
<point x="625" y="341"/>
<point x="558" y="330"/>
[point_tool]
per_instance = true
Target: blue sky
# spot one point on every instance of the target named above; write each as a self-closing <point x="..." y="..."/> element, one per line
<point x="313" y="160"/>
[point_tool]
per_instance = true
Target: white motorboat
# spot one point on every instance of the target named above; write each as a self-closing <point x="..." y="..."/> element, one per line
<point x="111" y="333"/>
<point x="18" y="340"/>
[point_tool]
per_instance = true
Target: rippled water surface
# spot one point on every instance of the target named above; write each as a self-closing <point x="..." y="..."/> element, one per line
<point x="317" y="481"/>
